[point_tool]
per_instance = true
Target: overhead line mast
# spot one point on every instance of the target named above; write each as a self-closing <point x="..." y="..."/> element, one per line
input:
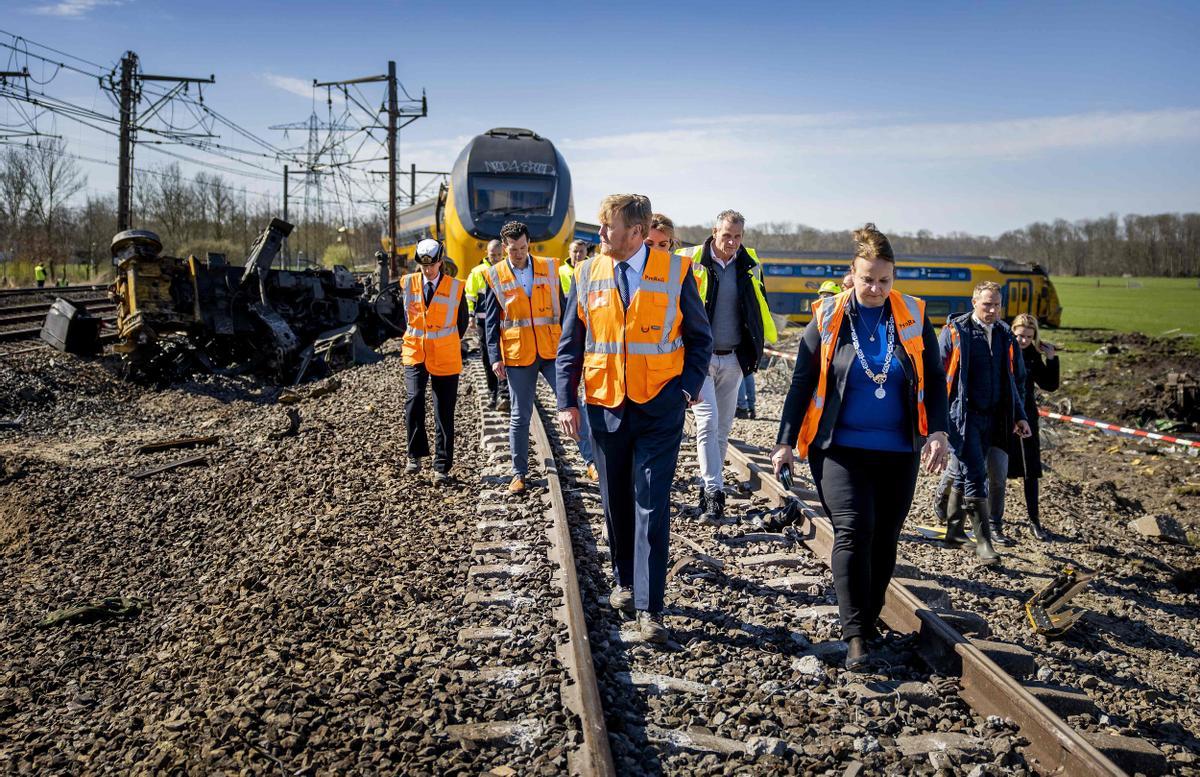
<point x="130" y="92"/>
<point x="394" y="114"/>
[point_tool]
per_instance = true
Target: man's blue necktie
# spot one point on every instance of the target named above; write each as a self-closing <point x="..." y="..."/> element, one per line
<point x="623" y="283"/>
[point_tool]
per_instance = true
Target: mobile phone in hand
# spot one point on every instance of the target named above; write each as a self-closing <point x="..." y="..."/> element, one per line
<point x="785" y="477"/>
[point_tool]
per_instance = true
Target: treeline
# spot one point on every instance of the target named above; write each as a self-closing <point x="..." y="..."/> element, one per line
<point x="43" y="220"/>
<point x="1166" y="244"/>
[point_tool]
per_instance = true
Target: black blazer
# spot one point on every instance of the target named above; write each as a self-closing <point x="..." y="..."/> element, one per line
<point x="808" y="371"/>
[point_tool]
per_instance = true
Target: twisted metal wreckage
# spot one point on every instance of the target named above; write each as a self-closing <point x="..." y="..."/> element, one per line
<point x="177" y="317"/>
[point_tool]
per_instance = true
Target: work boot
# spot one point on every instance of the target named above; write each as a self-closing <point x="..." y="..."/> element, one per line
<point x="652" y="628"/>
<point x="955" y="517"/>
<point x="941" y="505"/>
<point x="441" y="478"/>
<point x="502" y="401"/>
<point x="981" y="524"/>
<point x="414" y="466"/>
<point x="750" y="412"/>
<point x="703" y="500"/>
<point x="999" y="537"/>
<point x="621" y="599"/>
<point x="714" y="507"/>
<point x="516" y="485"/>
<point x="742" y="412"/>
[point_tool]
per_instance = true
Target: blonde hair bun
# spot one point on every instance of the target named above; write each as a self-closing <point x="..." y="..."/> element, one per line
<point x="871" y="244"/>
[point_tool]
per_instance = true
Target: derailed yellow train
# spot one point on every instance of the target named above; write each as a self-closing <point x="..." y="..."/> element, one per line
<point x="504" y="174"/>
<point x="944" y="282"/>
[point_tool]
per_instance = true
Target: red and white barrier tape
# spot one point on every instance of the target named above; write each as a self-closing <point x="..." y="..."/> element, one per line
<point x="1075" y="419"/>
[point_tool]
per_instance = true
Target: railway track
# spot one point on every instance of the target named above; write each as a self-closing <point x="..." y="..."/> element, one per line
<point x="752" y="674"/>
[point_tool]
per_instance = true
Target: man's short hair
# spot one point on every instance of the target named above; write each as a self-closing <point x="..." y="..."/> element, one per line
<point x="634" y="210"/>
<point x="579" y="242"/>
<point x="514" y="231"/>
<point x="732" y="216"/>
<point x="494" y="244"/>
<point x="985" y="286"/>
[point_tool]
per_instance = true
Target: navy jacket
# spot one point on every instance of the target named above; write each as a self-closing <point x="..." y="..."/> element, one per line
<point x="1013" y="403"/>
<point x="697" y="351"/>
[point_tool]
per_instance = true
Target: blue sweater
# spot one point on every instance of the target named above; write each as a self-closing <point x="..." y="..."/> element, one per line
<point x="864" y="420"/>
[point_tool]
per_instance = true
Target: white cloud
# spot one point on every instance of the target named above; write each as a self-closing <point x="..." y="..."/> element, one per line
<point x="836" y="170"/>
<point x="73" y="8"/>
<point x="296" y="86"/>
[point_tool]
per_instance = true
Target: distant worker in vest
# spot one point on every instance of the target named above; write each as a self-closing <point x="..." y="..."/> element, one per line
<point x="523" y="303"/>
<point x="731" y="288"/>
<point x="984" y="381"/>
<point x="829" y="289"/>
<point x="638" y="337"/>
<point x="436" y="319"/>
<point x="867" y="409"/>
<point x="1025" y="453"/>
<point x="476" y="283"/>
<point x="39" y="275"/>
<point x="662" y="233"/>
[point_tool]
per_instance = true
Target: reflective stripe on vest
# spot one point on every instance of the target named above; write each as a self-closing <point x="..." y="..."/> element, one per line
<point x="525" y="335"/>
<point x="432" y="341"/>
<point x="909" y="315"/>
<point x="619" y="360"/>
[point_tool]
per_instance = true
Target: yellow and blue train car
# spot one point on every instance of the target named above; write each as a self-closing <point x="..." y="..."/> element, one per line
<point x="944" y="282"/>
<point x="501" y="175"/>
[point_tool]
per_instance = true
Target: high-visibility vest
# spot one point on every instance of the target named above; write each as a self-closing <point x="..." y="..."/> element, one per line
<point x="909" y="313"/>
<point x="476" y="282"/>
<point x="39" y="272"/>
<point x="631" y="353"/>
<point x="565" y="273"/>
<point x="770" y="332"/>
<point x="432" y="335"/>
<point x="529" y="324"/>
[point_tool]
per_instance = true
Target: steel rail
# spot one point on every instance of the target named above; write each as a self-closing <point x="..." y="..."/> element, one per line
<point x="986" y="687"/>
<point x="45" y="306"/>
<point x="50" y="290"/>
<point x="595" y="756"/>
<point x="35" y="317"/>
<point x="34" y="333"/>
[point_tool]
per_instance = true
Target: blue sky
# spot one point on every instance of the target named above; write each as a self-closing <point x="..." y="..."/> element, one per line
<point x="946" y="116"/>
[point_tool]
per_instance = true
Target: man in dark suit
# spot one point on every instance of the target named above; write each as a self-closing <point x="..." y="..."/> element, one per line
<point x="635" y="318"/>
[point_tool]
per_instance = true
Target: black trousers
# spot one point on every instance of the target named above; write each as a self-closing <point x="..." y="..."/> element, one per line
<point x="445" y="394"/>
<point x="637" y="467"/>
<point x="493" y="382"/>
<point x="866" y="495"/>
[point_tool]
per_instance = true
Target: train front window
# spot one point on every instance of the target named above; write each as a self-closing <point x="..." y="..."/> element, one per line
<point x="502" y="195"/>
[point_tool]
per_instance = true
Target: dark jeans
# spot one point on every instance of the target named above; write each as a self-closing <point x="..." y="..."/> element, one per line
<point x="979" y="435"/>
<point x="493" y="382"/>
<point x="637" y="467"/>
<point x="866" y="495"/>
<point x="445" y="393"/>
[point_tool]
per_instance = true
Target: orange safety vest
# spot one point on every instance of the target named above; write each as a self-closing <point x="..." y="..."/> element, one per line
<point x="631" y="353"/>
<point x="529" y="325"/>
<point x="909" y="313"/>
<point x="432" y="334"/>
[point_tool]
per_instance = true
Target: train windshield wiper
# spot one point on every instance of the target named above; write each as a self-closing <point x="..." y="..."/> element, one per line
<point x="507" y="211"/>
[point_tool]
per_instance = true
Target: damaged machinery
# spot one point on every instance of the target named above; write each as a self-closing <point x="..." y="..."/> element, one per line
<point x="1047" y="609"/>
<point x="181" y="316"/>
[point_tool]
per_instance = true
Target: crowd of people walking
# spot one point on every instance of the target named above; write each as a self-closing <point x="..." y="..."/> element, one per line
<point x="634" y="337"/>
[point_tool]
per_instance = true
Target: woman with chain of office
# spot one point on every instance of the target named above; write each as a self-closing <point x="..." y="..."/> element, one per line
<point x="867" y="406"/>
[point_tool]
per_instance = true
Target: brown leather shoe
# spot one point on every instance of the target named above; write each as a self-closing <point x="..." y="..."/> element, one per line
<point x="517" y="485"/>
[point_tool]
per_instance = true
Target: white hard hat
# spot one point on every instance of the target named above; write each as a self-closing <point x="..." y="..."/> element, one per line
<point x="429" y="251"/>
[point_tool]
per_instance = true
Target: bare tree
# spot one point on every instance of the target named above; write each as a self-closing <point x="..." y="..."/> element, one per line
<point x="54" y="179"/>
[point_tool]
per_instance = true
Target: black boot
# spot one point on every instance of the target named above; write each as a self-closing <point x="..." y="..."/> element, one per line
<point x="714" y="508"/>
<point x="941" y="505"/>
<point x="1001" y="539"/>
<point x="981" y="524"/>
<point x="955" y="517"/>
<point x="1035" y="527"/>
<point x="753" y="416"/>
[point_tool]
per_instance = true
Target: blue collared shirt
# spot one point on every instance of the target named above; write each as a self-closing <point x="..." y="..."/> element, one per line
<point x="637" y="264"/>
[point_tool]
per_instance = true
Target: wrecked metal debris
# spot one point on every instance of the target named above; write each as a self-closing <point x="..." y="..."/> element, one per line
<point x="180" y="442"/>
<point x="187" y="462"/>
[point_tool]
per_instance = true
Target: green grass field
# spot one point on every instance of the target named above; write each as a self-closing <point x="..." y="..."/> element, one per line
<point x="1152" y="306"/>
